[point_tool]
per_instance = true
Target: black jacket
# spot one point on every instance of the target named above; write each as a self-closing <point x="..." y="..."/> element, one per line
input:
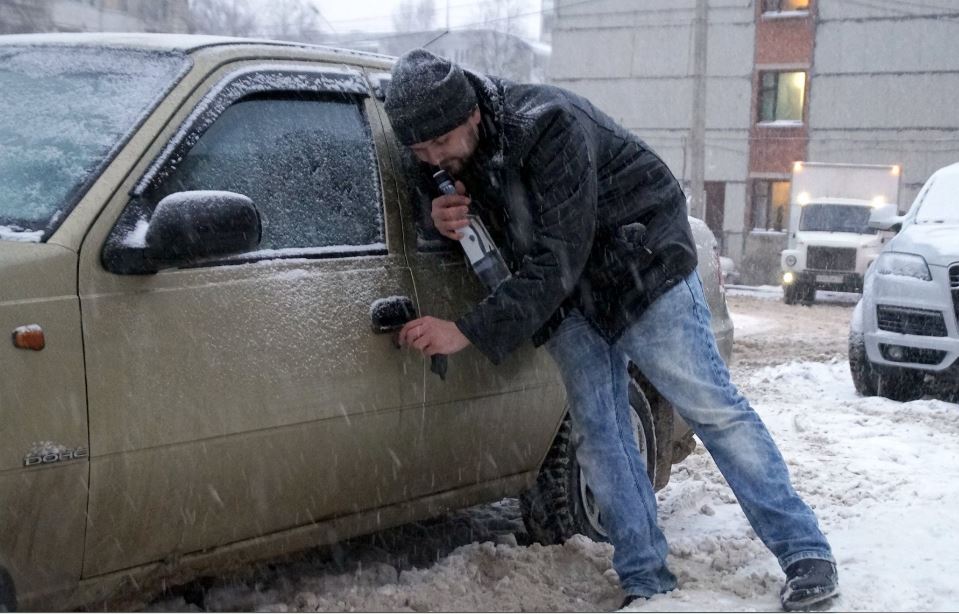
<point x="586" y="215"/>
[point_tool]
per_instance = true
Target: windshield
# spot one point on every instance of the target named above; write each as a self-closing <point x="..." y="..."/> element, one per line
<point x="836" y="218"/>
<point x="65" y="110"/>
<point x="940" y="203"/>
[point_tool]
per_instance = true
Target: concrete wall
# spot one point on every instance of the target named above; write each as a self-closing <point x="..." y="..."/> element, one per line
<point x="634" y="60"/>
<point x="760" y="258"/>
<point x="884" y="88"/>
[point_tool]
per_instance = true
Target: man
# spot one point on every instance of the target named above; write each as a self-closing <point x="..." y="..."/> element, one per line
<point x="603" y="266"/>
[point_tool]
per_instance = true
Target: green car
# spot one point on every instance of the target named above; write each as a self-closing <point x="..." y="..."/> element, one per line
<point x="206" y="246"/>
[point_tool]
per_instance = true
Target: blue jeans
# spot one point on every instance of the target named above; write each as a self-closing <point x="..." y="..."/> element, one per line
<point x="673" y="345"/>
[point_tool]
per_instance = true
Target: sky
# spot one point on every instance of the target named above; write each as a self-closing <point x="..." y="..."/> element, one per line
<point x="376" y="15"/>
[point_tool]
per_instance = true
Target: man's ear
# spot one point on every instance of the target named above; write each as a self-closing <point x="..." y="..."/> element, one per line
<point x="474" y="118"/>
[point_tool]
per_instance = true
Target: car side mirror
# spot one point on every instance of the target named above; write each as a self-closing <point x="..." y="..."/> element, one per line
<point x="187" y="228"/>
<point x="881" y="219"/>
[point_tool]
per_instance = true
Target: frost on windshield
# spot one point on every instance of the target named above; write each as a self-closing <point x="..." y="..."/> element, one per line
<point x="66" y="109"/>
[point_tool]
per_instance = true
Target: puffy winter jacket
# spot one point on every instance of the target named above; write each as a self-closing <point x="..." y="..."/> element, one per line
<point x="586" y="214"/>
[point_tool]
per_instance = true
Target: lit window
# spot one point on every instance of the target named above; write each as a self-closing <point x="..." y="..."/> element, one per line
<point x="780" y="6"/>
<point x="781" y="96"/>
<point x="770" y="205"/>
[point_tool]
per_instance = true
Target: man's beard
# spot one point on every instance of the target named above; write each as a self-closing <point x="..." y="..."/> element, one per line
<point x="455" y="166"/>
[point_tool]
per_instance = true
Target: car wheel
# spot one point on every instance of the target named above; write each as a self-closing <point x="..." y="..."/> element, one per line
<point x="561" y="504"/>
<point x="864" y="377"/>
<point x="900" y="384"/>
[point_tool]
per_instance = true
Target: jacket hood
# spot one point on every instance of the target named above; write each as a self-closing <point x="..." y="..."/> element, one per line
<point x="937" y="243"/>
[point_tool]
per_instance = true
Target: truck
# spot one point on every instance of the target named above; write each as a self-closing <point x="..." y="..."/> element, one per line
<point x="830" y="243"/>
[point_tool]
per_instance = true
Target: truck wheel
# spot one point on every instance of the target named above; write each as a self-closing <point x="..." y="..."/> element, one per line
<point x="8" y="595"/>
<point x="561" y="503"/>
<point x="791" y="294"/>
<point x="900" y="384"/>
<point x="863" y="377"/>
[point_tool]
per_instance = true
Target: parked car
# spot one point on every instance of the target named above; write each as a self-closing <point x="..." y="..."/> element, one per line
<point x="204" y="251"/>
<point x="905" y="326"/>
<point x="730" y="272"/>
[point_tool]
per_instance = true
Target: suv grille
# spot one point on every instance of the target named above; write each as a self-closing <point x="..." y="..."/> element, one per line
<point x="911" y="321"/>
<point x="954" y="284"/>
<point x="831" y="258"/>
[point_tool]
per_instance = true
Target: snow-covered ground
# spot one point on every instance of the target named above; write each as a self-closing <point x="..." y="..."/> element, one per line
<point x="882" y="476"/>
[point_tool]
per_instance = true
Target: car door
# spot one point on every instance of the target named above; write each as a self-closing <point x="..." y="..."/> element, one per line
<point x="249" y="395"/>
<point x="482" y="422"/>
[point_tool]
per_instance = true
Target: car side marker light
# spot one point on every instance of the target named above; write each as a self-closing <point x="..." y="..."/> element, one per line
<point x="29" y="337"/>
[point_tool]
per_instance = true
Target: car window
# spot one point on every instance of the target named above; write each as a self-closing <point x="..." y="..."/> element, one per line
<point x="66" y="111"/>
<point x="305" y="158"/>
<point x="939" y="204"/>
<point x="419" y="203"/>
<point x="836" y="218"/>
<point x="307" y="164"/>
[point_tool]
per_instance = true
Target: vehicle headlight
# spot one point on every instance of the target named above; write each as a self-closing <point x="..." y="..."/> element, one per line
<point x="904" y="265"/>
<point x="791" y="260"/>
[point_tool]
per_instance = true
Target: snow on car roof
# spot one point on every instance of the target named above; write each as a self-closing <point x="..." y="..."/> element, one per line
<point x="171" y="42"/>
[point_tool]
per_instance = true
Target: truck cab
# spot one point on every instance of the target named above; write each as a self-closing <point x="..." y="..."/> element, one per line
<point x="831" y="244"/>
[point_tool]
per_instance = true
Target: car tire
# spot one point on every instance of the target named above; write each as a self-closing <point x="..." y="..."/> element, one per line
<point x="900" y="384"/>
<point x="559" y="505"/>
<point x="8" y="594"/>
<point x="864" y="378"/>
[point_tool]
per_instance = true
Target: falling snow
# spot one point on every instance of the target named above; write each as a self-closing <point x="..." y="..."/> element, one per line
<point x="879" y="474"/>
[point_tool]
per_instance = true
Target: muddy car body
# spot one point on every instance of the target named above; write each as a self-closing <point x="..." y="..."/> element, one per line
<point x="191" y="392"/>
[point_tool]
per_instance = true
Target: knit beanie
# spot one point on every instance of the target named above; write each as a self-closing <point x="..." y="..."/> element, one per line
<point x="427" y="97"/>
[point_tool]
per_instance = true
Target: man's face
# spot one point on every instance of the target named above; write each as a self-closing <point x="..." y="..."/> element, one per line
<point x="451" y="151"/>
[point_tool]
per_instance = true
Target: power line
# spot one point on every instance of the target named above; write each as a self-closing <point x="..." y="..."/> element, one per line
<point x="899" y="14"/>
<point x="915" y="4"/>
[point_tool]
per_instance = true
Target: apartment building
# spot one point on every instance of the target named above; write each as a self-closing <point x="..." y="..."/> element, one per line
<point x="855" y="81"/>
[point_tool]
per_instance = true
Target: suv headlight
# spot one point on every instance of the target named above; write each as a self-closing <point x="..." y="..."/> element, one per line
<point x="791" y="260"/>
<point x="905" y="265"/>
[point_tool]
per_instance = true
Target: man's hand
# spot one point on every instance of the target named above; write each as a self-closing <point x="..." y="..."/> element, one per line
<point x="449" y="212"/>
<point x="433" y="336"/>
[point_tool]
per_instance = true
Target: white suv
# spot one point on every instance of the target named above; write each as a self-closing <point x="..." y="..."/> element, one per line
<point x="905" y="325"/>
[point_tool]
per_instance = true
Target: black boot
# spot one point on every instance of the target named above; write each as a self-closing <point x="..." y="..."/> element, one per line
<point x="809" y="582"/>
<point x="631" y="599"/>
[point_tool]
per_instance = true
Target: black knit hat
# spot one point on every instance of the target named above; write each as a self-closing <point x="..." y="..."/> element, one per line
<point x="428" y="97"/>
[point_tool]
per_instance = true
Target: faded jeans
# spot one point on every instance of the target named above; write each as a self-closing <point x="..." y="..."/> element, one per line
<point x="673" y="345"/>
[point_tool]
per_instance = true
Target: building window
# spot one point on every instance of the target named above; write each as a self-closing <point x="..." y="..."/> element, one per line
<point x="782" y="6"/>
<point x="770" y="205"/>
<point x="781" y="96"/>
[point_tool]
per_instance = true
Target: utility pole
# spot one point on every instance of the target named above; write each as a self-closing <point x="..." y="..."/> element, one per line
<point x="697" y="136"/>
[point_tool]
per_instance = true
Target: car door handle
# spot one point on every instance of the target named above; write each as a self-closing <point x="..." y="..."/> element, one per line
<point x="390" y="314"/>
